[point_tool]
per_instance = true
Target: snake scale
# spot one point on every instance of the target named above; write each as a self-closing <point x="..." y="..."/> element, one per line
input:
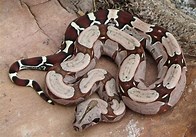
<point x="72" y="77"/>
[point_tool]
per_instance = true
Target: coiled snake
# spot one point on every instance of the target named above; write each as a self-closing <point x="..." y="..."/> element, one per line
<point x="72" y="76"/>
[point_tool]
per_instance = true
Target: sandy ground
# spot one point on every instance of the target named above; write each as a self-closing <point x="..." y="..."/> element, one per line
<point x="34" y="28"/>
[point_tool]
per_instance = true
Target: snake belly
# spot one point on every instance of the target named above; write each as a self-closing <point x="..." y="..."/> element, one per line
<point x="72" y="76"/>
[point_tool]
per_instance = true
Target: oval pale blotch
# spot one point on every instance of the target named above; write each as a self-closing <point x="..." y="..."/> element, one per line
<point x="171" y="45"/>
<point x="128" y="67"/>
<point x="93" y="76"/>
<point x="178" y="90"/>
<point x="141" y="25"/>
<point x="118" y="107"/>
<point x="56" y="85"/>
<point x="126" y="40"/>
<point x="144" y="96"/>
<point x="79" y="62"/>
<point x="172" y="77"/>
<point x="110" y="87"/>
<point x="89" y="36"/>
<point x="143" y="108"/>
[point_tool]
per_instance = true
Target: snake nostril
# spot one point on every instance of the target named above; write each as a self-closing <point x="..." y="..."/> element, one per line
<point x="76" y="128"/>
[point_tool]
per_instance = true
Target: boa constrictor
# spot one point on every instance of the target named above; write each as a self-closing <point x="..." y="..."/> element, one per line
<point x="72" y="76"/>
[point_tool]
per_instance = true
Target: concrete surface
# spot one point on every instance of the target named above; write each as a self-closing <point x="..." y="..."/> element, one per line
<point x="35" y="27"/>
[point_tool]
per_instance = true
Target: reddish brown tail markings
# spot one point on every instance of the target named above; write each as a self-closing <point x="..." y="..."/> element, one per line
<point x="57" y="58"/>
<point x="14" y="67"/>
<point x="36" y="86"/>
<point x="32" y="61"/>
<point x="20" y="82"/>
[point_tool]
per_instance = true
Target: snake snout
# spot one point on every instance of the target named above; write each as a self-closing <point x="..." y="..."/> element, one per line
<point x="76" y="128"/>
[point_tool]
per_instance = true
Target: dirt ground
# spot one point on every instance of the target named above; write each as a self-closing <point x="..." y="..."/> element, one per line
<point x="35" y="27"/>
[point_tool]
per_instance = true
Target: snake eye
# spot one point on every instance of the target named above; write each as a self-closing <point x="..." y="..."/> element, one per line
<point x="96" y="120"/>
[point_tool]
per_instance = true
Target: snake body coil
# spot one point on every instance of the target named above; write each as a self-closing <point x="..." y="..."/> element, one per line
<point x="72" y="77"/>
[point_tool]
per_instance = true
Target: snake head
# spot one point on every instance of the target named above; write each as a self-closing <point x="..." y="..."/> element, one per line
<point x="89" y="113"/>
